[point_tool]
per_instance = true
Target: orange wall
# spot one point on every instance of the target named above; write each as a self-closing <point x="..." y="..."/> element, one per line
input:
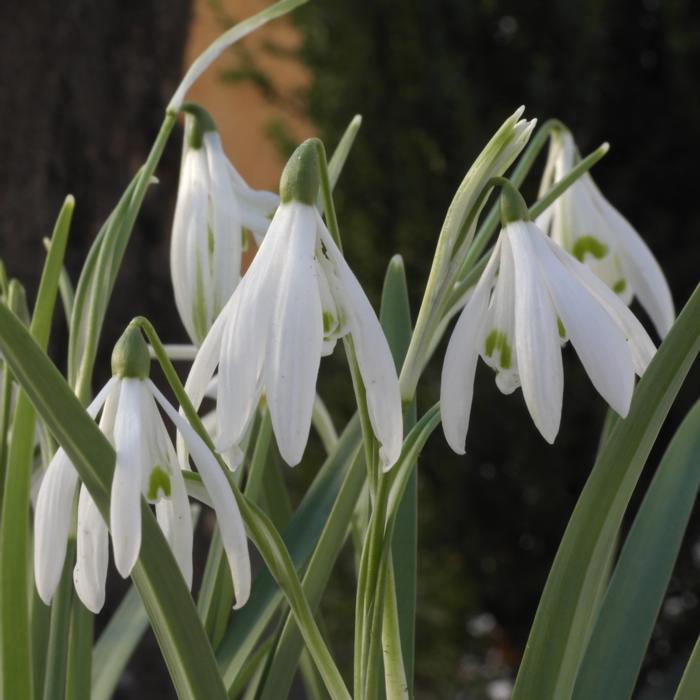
<point x="240" y="110"/>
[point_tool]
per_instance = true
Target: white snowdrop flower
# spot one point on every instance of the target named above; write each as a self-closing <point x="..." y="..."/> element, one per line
<point x="146" y="464"/>
<point x="585" y="224"/>
<point x="214" y="208"/>
<point x="531" y="298"/>
<point x="297" y="298"/>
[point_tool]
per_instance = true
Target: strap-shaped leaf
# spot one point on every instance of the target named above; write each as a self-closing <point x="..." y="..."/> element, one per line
<point x="626" y="619"/>
<point x="174" y="619"/>
<point x="300" y="537"/>
<point x="563" y="622"/>
<point x="16" y="659"/>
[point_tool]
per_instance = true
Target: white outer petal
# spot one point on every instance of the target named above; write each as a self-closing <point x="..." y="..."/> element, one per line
<point x="373" y="355"/>
<point x="125" y="503"/>
<point x="52" y="518"/>
<point x="598" y="340"/>
<point x="459" y="366"/>
<point x="294" y="344"/>
<point x="233" y="534"/>
<point x="536" y="334"/>
<point x="245" y="338"/>
<point x="90" y="572"/>
<point x="225" y="220"/>
<point x="640" y="343"/>
<point x="175" y="520"/>
<point x="53" y="512"/>
<point x="189" y="228"/>
<point x="645" y="274"/>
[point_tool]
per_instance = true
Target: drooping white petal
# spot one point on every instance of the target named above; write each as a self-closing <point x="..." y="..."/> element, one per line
<point x="257" y="206"/>
<point x="373" y="354"/>
<point x="641" y="345"/>
<point x="499" y="350"/>
<point x="245" y="338"/>
<point x="90" y="572"/>
<point x="225" y="224"/>
<point x="125" y="503"/>
<point x="459" y="366"/>
<point x="536" y="335"/>
<point x="173" y="509"/>
<point x="294" y="345"/>
<point x="175" y="520"/>
<point x="52" y="520"/>
<point x="231" y="525"/>
<point x="53" y="512"/>
<point x="645" y="274"/>
<point x="189" y="244"/>
<point x="598" y="340"/>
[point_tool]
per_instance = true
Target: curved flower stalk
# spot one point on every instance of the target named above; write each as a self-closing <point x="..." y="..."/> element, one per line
<point x="214" y="208"/>
<point x="146" y="465"/>
<point x="531" y="298"/>
<point x="297" y="298"/>
<point x="585" y="224"/>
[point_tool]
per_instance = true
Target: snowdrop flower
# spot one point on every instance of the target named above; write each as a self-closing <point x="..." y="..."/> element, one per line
<point x="297" y="298"/>
<point x="586" y="225"/>
<point x="531" y="298"/>
<point x="214" y="207"/>
<point x="146" y="465"/>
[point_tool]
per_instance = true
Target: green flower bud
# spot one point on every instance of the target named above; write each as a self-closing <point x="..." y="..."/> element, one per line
<point x="513" y="207"/>
<point x="130" y="358"/>
<point x="300" y="178"/>
<point x="200" y="123"/>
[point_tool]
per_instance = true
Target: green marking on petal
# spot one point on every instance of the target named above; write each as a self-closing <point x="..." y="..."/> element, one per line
<point x="244" y="240"/>
<point x="560" y="327"/>
<point x="619" y="286"/>
<point x="328" y="322"/>
<point x="588" y="245"/>
<point x="159" y="480"/>
<point x="496" y="340"/>
<point x="210" y="241"/>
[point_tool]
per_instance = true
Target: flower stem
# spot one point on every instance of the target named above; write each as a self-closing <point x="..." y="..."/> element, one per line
<point x="261" y="531"/>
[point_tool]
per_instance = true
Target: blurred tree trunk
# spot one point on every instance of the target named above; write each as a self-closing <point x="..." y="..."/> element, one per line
<point x="83" y="88"/>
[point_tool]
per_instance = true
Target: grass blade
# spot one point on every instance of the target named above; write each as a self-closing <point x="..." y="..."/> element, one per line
<point x="620" y="637"/>
<point x="562" y="624"/>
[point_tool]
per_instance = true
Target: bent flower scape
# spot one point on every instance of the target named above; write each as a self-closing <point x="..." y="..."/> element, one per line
<point x="564" y="269"/>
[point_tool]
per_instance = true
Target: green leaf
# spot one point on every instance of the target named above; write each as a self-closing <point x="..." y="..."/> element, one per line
<point x="290" y="645"/>
<point x="185" y="647"/>
<point x="340" y="155"/>
<point x="563" y="622"/>
<point x="101" y="268"/>
<point x="15" y="630"/>
<point x="116" y="645"/>
<point x="395" y="316"/>
<point x="300" y="537"/>
<point x="626" y="619"/>
<point x="690" y="682"/>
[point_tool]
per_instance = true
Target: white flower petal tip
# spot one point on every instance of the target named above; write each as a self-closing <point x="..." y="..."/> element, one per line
<point x="220" y="492"/>
<point x="90" y="572"/>
<point x="297" y="299"/>
<point x="532" y="298"/>
<point x="214" y="209"/>
<point x="585" y="224"/>
<point x="52" y="524"/>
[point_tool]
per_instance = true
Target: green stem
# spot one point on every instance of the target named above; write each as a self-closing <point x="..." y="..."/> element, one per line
<point x="56" y="668"/>
<point x="79" y="676"/>
<point x="395" y="680"/>
<point x="17" y="676"/>
<point x="84" y="380"/>
<point x="263" y="533"/>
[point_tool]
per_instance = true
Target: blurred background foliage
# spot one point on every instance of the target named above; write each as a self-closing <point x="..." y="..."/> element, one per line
<point x="432" y="80"/>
